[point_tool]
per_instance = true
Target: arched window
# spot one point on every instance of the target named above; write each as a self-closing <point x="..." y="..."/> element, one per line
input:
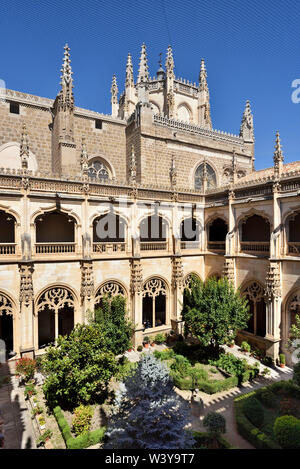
<point x="199" y="175"/>
<point x="294" y="234"/>
<point x="55" y="233"/>
<point x="154" y="303"/>
<point x="6" y="322"/>
<point x="98" y="170"/>
<point x="7" y="233"/>
<point x="255" y="234"/>
<point x="217" y="231"/>
<point x="109" y="228"/>
<point x="254" y="292"/>
<point x="183" y="114"/>
<point x="55" y="311"/>
<point x="108" y="289"/>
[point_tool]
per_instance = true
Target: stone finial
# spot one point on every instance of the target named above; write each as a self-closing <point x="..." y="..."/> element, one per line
<point x="84" y="159"/>
<point x="278" y="157"/>
<point x="24" y="148"/>
<point x="114" y="97"/>
<point x="66" y="70"/>
<point x="247" y="129"/>
<point x="132" y="166"/>
<point x="203" y="77"/>
<point x="129" y="81"/>
<point x="170" y="63"/>
<point x="143" y="75"/>
<point x="234" y="167"/>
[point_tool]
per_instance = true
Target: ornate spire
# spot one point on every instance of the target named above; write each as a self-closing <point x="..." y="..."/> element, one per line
<point x="132" y="166"/>
<point x="160" y="74"/>
<point x="143" y="75"/>
<point x="66" y="98"/>
<point x="234" y="166"/>
<point x="170" y="63"/>
<point x="66" y="70"/>
<point x="278" y="157"/>
<point x="204" y="118"/>
<point x="203" y="77"/>
<point x="129" y="82"/>
<point x="84" y="159"/>
<point x="114" y="97"/>
<point x="247" y="130"/>
<point x="24" y="148"/>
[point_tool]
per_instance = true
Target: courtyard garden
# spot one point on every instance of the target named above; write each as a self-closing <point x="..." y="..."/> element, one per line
<point x="86" y="392"/>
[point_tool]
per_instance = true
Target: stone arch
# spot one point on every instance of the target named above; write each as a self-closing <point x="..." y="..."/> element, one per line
<point x="10" y="152"/>
<point x="190" y="229"/>
<point x="101" y="168"/>
<point x="184" y="112"/>
<point x="161" y="225"/>
<point x="291" y="308"/>
<point x="291" y="229"/>
<point x="188" y="277"/>
<point x="110" y="288"/>
<point x="8" y="327"/>
<point x="155" y="298"/>
<point x="216" y="232"/>
<point x="55" y="312"/>
<point x="254" y="232"/>
<point x="255" y="293"/>
<point x="215" y="275"/>
<point x="156" y="107"/>
<point x="212" y="175"/>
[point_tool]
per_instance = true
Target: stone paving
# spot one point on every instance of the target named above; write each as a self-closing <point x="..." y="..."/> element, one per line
<point x="17" y="428"/>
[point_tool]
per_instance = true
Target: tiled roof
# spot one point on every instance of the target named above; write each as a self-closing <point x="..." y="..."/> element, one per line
<point x="268" y="172"/>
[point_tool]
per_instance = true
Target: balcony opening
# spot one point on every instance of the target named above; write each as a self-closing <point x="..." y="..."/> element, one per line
<point x="109" y="233"/>
<point x="294" y="234"/>
<point x="6" y="324"/>
<point x="189" y="233"/>
<point x="217" y="232"/>
<point x="7" y="233"/>
<point x="255" y="235"/>
<point x="153" y="233"/>
<point x="55" y="233"/>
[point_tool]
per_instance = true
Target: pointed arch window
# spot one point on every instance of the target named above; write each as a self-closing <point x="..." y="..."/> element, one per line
<point x="199" y="176"/>
<point x="98" y="170"/>
<point x="257" y="322"/>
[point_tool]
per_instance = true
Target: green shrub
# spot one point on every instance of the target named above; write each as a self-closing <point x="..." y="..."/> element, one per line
<point x="80" y="442"/>
<point x="29" y="390"/>
<point x="181" y="365"/>
<point x="237" y="367"/>
<point x="282" y="359"/>
<point x="245" y="428"/>
<point x="44" y="437"/>
<point x="296" y="376"/>
<point x="215" y="423"/>
<point x="254" y="411"/>
<point x="287" y="406"/>
<point x="245" y="347"/>
<point x="266" y="397"/>
<point x="181" y="348"/>
<point x="140" y="348"/>
<point x="209" y="387"/>
<point x="82" y="419"/>
<point x="26" y="367"/>
<point x="202" y="439"/>
<point x="164" y="354"/>
<point x="287" y="431"/>
<point x="159" y="338"/>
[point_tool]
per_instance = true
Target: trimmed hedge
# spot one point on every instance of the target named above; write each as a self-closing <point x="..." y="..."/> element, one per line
<point x="209" y="387"/>
<point x="251" y="433"/>
<point x="80" y="442"/>
<point x="202" y="438"/>
<point x="287" y="431"/>
<point x="254" y="411"/>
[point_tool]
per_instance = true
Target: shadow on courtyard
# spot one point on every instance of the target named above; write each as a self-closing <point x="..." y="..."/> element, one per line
<point x="14" y="413"/>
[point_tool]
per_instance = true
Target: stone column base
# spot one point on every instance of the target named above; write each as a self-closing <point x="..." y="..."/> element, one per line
<point x="138" y="336"/>
<point x="177" y="326"/>
<point x="272" y="347"/>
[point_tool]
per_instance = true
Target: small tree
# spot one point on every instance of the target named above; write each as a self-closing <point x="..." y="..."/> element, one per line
<point x="114" y="324"/>
<point x="148" y="413"/>
<point x="215" y="423"/>
<point x="213" y="312"/>
<point x="294" y="340"/>
<point x="78" y="369"/>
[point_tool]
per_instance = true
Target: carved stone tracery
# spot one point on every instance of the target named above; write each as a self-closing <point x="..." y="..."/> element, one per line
<point x="87" y="280"/>
<point x="54" y="299"/>
<point x="26" y="284"/>
<point x="273" y="284"/>
<point x="177" y="272"/>
<point x="109" y="289"/>
<point x="136" y="276"/>
<point x="229" y="269"/>
<point x="154" y="287"/>
<point x="6" y="306"/>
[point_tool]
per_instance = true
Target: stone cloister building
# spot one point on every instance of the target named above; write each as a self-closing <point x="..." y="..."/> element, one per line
<point x="181" y="197"/>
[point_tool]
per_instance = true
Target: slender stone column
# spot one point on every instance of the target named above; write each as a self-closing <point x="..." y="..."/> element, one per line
<point x="229" y="263"/>
<point x="26" y="332"/>
<point x="177" y="286"/>
<point x="137" y="298"/>
<point x="273" y="309"/>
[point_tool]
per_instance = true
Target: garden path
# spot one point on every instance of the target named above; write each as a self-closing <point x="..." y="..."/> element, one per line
<point x="17" y="427"/>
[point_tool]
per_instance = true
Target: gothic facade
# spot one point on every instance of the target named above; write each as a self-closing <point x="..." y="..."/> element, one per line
<point x="135" y="202"/>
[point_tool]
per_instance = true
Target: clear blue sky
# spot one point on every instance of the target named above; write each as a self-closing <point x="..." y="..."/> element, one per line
<point x="251" y="48"/>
